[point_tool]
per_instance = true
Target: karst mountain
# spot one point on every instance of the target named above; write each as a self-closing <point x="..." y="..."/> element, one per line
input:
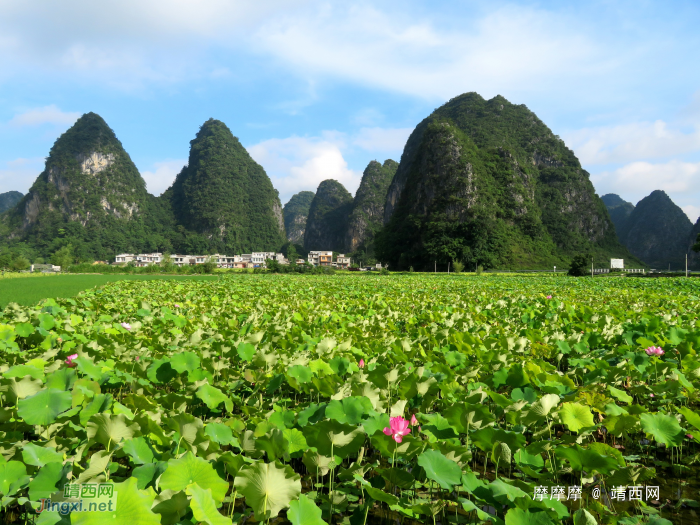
<point x="487" y="182"/>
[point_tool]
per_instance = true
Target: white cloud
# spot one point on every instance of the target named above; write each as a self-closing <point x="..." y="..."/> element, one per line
<point x="641" y="178"/>
<point x="46" y="115"/>
<point x="162" y="175"/>
<point x="634" y="181"/>
<point x="693" y="212"/>
<point x="382" y="139"/>
<point x="297" y="164"/>
<point x="628" y="142"/>
<point x="506" y="49"/>
<point x="19" y="174"/>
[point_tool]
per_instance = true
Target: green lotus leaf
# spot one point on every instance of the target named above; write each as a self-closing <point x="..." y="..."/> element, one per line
<point x="185" y="362"/>
<point x="190" y="469"/>
<point x="543" y="406"/>
<point x="440" y="469"/>
<point x="334" y="439"/>
<point x="213" y="397"/>
<point x="133" y="508"/>
<point x="44" y="407"/>
<point x="24" y="329"/>
<point x="380" y="495"/>
<point x="203" y="506"/>
<point x="161" y="371"/>
<point x="50" y="479"/>
<point x="396" y="476"/>
<point x="40" y="456"/>
<point x="317" y="464"/>
<point x="219" y="433"/>
<point x="110" y="430"/>
<point x="188" y="428"/>
<point x="350" y="410"/>
<point x="246" y="351"/>
<point x="587" y="459"/>
<point x="89" y="368"/>
<point x="518" y="516"/>
<point x="268" y="487"/>
<point x="140" y="450"/>
<point x="295" y="440"/>
<point x="576" y="416"/>
<point x="664" y="429"/>
<point x="95" y="472"/>
<point x="583" y="517"/>
<point x="304" y="512"/>
<point x="274" y="444"/>
<point x="302" y="374"/>
<point x="24" y="371"/>
<point x="691" y="417"/>
<point x="620" y="395"/>
<point x="13" y="475"/>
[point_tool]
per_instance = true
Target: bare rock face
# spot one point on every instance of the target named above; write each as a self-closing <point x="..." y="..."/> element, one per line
<point x="296" y="211"/>
<point x="367" y="215"/>
<point x="88" y="178"/>
<point x="486" y="182"/>
<point x="328" y="217"/>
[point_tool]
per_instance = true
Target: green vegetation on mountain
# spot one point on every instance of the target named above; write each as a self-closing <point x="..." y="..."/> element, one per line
<point x="328" y="217"/>
<point x="9" y="199"/>
<point x="295" y="214"/>
<point x="224" y="195"/>
<point x="618" y="209"/>
<point x="487" y="182"/>
<point x="90" y="195"/>
<point x="694" y="247"/>
<point x="657" y="232"/>
<point x="367" y="216"/>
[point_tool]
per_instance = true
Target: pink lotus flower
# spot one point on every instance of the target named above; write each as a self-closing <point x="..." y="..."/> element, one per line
<point x="177" y="306"/>
<point x="361" y="364"/>
<point x="69" y="361"/>
<point x="398" y="428"/>
<point x="137" y="358"/>
<point x="689" y="436"/>
<point x="127" y="326"/>
<point x="651" y="395"/>
<point x="654" y="350"/>
<point x="414" y="421"/>
<point x="549" y="297"/>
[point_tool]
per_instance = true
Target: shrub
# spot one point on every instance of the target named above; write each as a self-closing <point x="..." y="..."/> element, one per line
<point x="479" y="270"/>
<point x="458" y="266"/>
<point x="580" y="265"/>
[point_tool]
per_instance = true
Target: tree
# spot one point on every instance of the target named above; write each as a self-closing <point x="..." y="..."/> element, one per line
<point x="63" y="257"/>
<point x="580" y="265"/>
<point x="272" y="265"/>
<point x="292" y="254"/>
<point x="696" y="246"/>
<point x="457" y="265"/>
<point x="20" y="263"/>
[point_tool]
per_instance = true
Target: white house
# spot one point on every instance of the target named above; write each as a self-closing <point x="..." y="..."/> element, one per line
<point x="124" y="258"/>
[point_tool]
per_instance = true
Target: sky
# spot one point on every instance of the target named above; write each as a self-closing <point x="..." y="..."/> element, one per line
<point x="315" y="90"/>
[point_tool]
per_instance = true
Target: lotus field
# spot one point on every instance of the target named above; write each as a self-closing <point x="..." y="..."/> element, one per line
<point x="355" y="399"/>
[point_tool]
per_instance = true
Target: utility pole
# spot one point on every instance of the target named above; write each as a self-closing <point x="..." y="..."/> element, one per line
<point x="448" y="268"/>
<point x="686" y="265"/>
<point x="435" y="266"/>
<point x="591" y="267"/>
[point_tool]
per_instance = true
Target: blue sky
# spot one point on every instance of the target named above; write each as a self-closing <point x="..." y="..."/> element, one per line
<point x="316" y="90"/>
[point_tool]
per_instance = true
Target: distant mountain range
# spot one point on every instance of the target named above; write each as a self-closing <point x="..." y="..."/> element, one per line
<point x="480" y="181"/>
<point x="656" y="230"/>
